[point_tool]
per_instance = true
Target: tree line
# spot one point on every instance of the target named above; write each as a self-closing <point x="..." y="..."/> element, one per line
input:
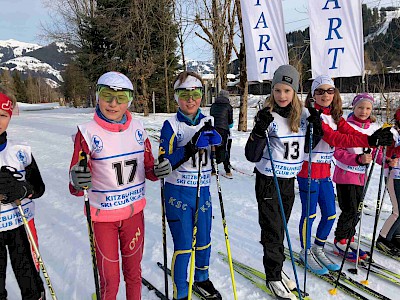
<point x="29" y="90"/>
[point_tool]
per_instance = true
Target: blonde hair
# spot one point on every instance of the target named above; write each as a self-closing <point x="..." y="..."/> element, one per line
<point x="295" y="112"/>
<point x="336" y="105"/>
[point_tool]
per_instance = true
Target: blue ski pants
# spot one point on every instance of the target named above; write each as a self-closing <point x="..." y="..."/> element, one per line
<point x="322" y="193"/>
<point x="180" y="207"/>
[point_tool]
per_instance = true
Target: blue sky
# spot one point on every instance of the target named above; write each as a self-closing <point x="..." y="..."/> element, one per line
<point x="21" y="19"/>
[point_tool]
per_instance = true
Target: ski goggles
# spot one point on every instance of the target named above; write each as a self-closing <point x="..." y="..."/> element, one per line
<point x="108" y="95"/>
<point x="320" y="92"/>
<point x="185" y="95"/>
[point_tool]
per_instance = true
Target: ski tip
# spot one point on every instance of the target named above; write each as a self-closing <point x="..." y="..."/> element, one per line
<point x="333" y="291"/>
<point x="94" y="297"/>
<point x="364" y="282"/>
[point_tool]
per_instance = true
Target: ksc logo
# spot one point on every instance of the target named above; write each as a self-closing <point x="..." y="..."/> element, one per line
<point x="274" y="127"/>
<point x="22" y="157"/>
<point x="97" y="144"/>
<point x="139" y="136"/>
<point x="180" y="136"/>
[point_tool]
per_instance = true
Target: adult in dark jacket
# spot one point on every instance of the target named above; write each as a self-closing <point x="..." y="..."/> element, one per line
<point x="222" y="112"/>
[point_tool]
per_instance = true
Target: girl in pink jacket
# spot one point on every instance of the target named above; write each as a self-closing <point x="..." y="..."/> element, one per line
<point x="349" y="176"/>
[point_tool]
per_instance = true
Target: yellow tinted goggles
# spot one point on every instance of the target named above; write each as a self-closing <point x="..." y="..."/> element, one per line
<point x="186" y="95"/>
<point x="109" y="95"/>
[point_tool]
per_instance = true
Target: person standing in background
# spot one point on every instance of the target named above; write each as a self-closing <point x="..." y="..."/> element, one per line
<point x="222" y="112"/>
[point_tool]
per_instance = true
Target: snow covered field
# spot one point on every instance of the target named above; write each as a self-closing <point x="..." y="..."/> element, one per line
<point x="62" y="227"/>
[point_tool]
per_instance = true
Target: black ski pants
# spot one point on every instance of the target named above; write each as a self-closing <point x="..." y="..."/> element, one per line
<point x="222" y="151"/>
<point x="19" y="248"/>
<point x="349" y="198"/>
<point x="270" y="220"/>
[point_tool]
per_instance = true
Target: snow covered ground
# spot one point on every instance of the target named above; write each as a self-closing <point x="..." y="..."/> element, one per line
<point x="62" y="228"/>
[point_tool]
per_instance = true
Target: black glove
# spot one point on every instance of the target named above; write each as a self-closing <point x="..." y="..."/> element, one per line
<point x="11" y="187"/>
<point x="315" y="119"/>
<point x="262" y="119"/>
<point x="381" y="137"/>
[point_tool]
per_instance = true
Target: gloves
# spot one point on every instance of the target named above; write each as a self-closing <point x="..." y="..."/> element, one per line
<point x="262" y="119"/>
<point x="381" y="137"/>
<point x="162" y="169"/>
<point x="207" y="135"/>
<point x="11" y="187"/>
<point x="81" y="177"/>
<point x="315" y="119"/>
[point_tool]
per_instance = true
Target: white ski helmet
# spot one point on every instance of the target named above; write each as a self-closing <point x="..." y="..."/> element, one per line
<point x="116" y="81"/>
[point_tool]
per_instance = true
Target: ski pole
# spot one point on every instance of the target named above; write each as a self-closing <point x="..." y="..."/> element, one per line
<point x="164" y="232"/>
<point x="361" y="207"/>
<point x="84" y="163"/>
<point x="310" y="145"/>
<point x="196" y="217"/>
<point x="378" y="204"/>
<point x="221" y="204"/>
<point x="278" y="191"/>
<point x="36" y="249"/>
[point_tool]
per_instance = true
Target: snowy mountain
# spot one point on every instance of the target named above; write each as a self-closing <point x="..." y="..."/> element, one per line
<point x="200" y="67"/>
<point x="44" y="61"/>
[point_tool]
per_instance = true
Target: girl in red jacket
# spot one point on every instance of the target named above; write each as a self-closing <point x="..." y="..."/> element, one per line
<point x="349" y="176"/>
<point x="120" y="160"/>
<point x="336" y="133"/>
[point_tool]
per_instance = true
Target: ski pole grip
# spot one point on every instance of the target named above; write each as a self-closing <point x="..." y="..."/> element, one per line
<point x="83" y="159"/>
<point x="161" y="153"/>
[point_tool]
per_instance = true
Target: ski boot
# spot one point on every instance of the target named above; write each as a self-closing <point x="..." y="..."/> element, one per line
<point x="319" y="253"/>
<point x="207" y="290"/>
<point x="387" y="246"/>
<point x="361" y="253"/>
<point x="312" y="263"/>
<point x="340" y="249"/>
<point x="281" y="290"/>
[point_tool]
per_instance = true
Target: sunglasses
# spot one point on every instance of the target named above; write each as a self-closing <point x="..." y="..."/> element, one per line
<point x="109" y="95"/>
<point x="185" y="95"/>
<point x="320" y="92"/>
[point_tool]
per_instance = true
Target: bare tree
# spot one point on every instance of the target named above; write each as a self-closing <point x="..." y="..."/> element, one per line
<point x="184" y="18"/>
<point x="217" y="21"/>
<point x="66" y="19"/>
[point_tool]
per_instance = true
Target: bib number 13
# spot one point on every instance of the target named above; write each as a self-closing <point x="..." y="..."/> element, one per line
<point x="291" y="150"/>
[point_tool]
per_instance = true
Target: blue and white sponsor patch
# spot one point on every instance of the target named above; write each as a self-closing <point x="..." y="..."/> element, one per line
<point x="97" y="144"/>
<point x="22" y="157"/>
<point x="139" y="136"/>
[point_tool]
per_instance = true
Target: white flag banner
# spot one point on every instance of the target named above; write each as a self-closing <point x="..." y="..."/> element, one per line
<point x="336" y="37"/>
<point x="265" y="38"/>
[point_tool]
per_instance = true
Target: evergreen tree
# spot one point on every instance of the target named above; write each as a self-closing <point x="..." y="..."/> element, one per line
<point x="20" y="88"/>
<point x="7" y="83"/>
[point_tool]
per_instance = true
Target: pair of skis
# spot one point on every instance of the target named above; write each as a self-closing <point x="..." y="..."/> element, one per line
<point x="347" y="285"/>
